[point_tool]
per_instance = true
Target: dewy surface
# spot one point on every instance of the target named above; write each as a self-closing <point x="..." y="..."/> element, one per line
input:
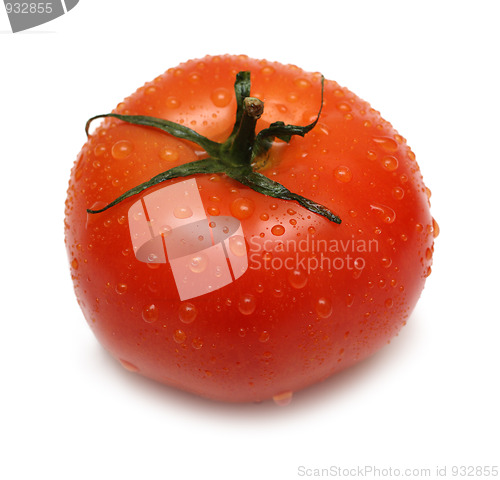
<point x="293" y="297"/>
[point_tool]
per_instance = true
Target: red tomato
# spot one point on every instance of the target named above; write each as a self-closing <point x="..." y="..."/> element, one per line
<point x="205" y="284"/>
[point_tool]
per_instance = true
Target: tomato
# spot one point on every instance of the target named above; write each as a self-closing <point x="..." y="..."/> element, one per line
<point x="206" y="281"/>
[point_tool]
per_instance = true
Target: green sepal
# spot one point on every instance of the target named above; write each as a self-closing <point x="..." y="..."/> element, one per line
<point x="262" y="184"/>
<point x="207" y="165"/>
<point x="174" y="129"/>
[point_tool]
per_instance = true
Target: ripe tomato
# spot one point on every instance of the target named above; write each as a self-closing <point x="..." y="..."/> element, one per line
<point x="204" y="282"/>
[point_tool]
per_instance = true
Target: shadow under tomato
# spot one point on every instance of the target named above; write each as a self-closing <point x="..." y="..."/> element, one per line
<point x="330" y="391"/>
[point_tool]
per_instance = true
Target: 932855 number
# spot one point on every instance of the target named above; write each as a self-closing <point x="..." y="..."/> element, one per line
<point x="32" y="8"/>
<point x="474" y="471"/>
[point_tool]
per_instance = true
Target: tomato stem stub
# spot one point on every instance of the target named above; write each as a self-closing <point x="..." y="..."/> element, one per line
<point x="236" y="156"/>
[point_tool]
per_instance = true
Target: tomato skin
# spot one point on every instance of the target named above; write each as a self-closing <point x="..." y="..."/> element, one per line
<point x="279" y="327"/>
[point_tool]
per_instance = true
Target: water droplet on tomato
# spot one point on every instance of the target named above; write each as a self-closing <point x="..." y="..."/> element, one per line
<point x="435" y="228"/>
<point x="398" y="193"/>
<point x="197" y="343"/>
<point x="283" y="399"/>
<point x="259" y="288"/>
<point x="278" y="292"/>
<point x="267" y="355"/>
<point x="242" y="208"/>
<point x="267" y="70"/>
<point x="237" y="245"/>
<point x="121" y="149"/>
<point x="187" y="312"/>
<point x="137" y="216"/>
<point x="242" y="332"/>
<point x="99" y="149"/>
<point x="218" y="271"/>
<point x="281" y="108"/>
<point x="168" y="154"/>
<point x="183" y="211"/>
<point x="172" y="103"/>
<point x="165" y="230"/>
<point x="428" y="254"/>
<point x="264" y="217"/>
<point x="194" y="77"/>
<point x="386" y="143"/>
<point x="278" y="230"/>
<point x="389" y="303"/>
<point x="297" y="279"/>
<point x="179" y="336"/>
<point x="349" y="300"/>
<point x="247" y="304"/>
<point x="74" y="263"/>
<point x="150" y="313"/>
<point x="390" y="163"/>
<point x="323" y="307"/>
<point x="302" y="83"/>
<point x="152" y="257"/>
<point x="213" y="211"/>
<point x="344" y="107"/>
<point x="198" y="263"/>
<point x="386" y="262"/>
<point x="128" y="366"/>
<point x="264" y="336"/>
<point x="121" y="288"/>
<point x="343" y="174"/>
<point x="387" y="214"/>
<point x="221" y="97"/>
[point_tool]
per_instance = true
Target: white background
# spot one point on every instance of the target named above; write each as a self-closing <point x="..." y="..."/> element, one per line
<point x="431" y="398"/>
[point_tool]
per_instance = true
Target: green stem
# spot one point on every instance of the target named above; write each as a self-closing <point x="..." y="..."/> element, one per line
<point x="240" y="151"/>
<point x="235" y="156"/>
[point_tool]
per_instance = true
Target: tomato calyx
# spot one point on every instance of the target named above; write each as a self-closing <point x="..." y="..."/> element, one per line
<point x="236" y="156"/>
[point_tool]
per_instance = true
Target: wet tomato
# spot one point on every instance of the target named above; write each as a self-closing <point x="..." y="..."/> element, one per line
<point x="242" y="247"/>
